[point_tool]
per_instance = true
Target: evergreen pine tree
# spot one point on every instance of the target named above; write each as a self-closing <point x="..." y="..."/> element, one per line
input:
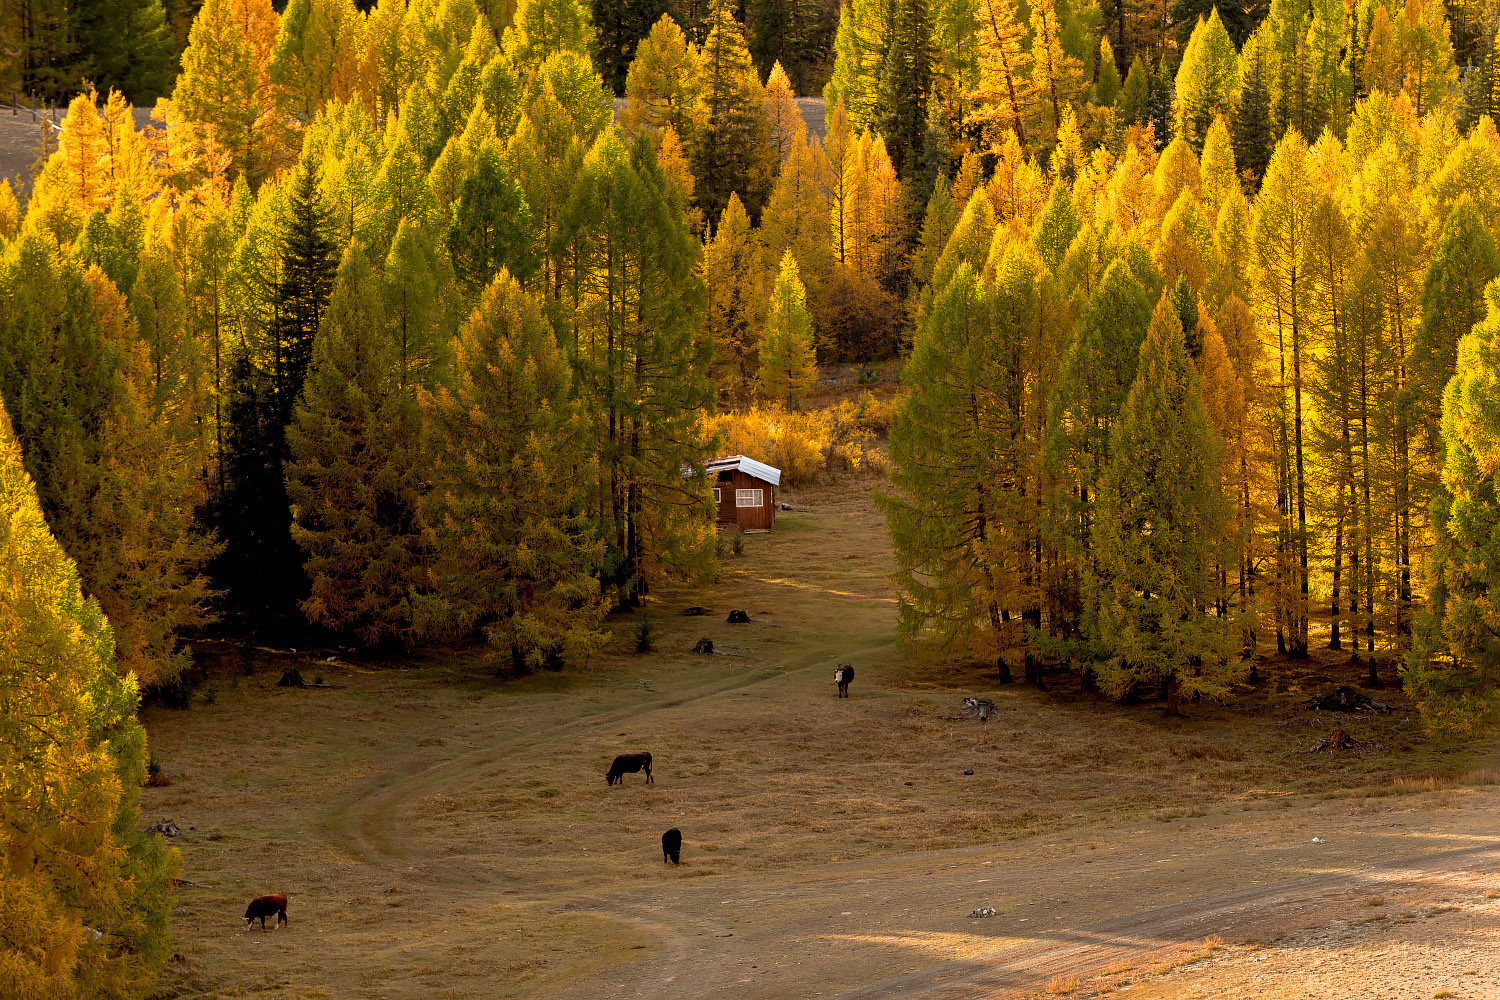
<point x="1463" y="264"/>
<point x="1253" y="141"/>
<point x="795" y="33"/>
<point x="1056" y="227"/>
<point x="1185" y="304"/>
<point x="1206" y="79"/>
<point x="263" y="566"/>
<point x="620" y="25"/>
<point x="729" y="147"/>
<point x="788" y="365"/>
<point x="129" y="48"/>
<point x="353" y="474"/>
<point x="511" y="471"/>
<point x="1158" y="540"/>
<point x="86" y="895"/>
<point x="491" y="227"/>
<point x="1453" y="668"/>
<point x="859" y="48"/>
<point x="1097" y="372"/>
<point x="963" y="524"/>
<point x="905" y="86"/>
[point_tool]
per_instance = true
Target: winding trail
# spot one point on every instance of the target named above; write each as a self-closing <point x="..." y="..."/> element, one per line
<point x="1232" y="916"/>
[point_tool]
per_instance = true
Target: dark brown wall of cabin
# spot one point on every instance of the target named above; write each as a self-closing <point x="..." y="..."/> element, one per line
<point x="763" y="516"/>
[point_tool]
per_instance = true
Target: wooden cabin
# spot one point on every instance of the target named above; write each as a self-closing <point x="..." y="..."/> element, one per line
<point x="745" y="492"/>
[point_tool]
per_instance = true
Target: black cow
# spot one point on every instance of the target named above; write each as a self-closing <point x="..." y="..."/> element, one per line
<point x="842" y="676"/>
<point x="265" y="906"/>
<point x="671" y="846"/>
<point x="629" y="763"/>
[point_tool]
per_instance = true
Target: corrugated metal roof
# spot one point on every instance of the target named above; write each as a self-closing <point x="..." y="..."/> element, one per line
<point x="759" y="470"/>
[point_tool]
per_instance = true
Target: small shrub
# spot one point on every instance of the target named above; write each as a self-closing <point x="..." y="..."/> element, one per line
<point x="154" y="776"/>
<point x="645" y="635"/>
<point x="1062" y="984"/>
<point x="317" y="678"/>
<point x="737" y="544"/>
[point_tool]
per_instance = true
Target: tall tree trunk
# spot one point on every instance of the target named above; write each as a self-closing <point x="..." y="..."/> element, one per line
<point x="1303" y="580"/>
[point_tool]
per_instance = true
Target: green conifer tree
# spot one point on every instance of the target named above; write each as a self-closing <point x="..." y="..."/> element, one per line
<point x="735" y="282"/>
<point x="353" y="474"/>
<point x="491" y="227"/>
<point x="511" y="470"/>
<point x="413" y="288"/>
<point x="1453" y="668"/>
<point x="262" y="565"/>
<point x="937" y="225"/>
<point x="620" y="25"/>
<point x="129" y="48"/>
<point x="642" y="367"/>
<point x="1097" y="372"/>
<point x="1463" y="264"/>
<point x="1133" y="105"/>
<point x="1159" y="538"/>
<point x="730" y="146"/>
<point x="859" y="49"/>
<point x="788" y="364"/>
<point x="1253" y="139"/>
<point x="1206" y="80"/>
<point x="963" y="523"/>
<point x="1107" y="82"/>
<point x="905" y="86"/>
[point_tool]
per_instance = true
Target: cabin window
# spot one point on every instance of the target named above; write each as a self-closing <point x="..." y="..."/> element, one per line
<point x="716" y="494"/>
<point x="749" y="498"/>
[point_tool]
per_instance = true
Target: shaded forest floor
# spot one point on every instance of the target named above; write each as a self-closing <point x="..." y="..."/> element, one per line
<point x="443" y="834"/>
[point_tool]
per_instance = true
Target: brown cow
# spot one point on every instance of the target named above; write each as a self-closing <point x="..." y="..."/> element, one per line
<point x="265" y="906"/>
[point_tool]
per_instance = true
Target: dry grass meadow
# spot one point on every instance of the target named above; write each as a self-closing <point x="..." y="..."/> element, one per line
<point x="444" y="833"/>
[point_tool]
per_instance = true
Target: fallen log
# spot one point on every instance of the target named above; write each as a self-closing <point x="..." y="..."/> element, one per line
<point x="1346" y="699"/>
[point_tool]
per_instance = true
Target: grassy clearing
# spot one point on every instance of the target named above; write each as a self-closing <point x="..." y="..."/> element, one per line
<point x="444" y="833"/>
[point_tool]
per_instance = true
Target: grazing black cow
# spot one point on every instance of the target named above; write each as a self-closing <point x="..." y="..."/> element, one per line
<point x="842" y="676"/>
<point x="629" y="763"/>
<point x="265" y="906"/>
<point x="671" y="846"/>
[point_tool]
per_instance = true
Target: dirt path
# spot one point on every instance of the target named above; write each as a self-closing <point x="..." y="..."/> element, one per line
<point x="1259" y="913"/>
